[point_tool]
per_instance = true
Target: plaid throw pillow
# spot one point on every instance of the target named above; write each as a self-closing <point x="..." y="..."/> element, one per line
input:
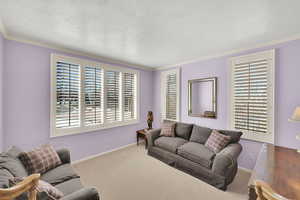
<point x="168" y="129"/>
<point x="217" y="141"/>
<point x="40" y="159"/>
<point x="52" y="192"/>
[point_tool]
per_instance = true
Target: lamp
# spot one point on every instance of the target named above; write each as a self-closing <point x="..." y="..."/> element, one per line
<point x="296" y="118"/>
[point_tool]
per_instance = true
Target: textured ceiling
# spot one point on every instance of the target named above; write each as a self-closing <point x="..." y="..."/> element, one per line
<point x="148" y="32"/>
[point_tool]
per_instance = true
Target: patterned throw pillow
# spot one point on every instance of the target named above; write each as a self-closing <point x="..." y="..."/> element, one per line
<point x="51" y="192"/>
<point x="217" y="141"/>
<point x="40" y="159"/>
<point x="168" y="129"/>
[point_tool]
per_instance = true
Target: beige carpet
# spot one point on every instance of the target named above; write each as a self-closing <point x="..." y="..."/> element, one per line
<point x="130" y="174"/>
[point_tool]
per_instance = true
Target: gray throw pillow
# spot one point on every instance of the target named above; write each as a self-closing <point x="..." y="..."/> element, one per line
<point x="200" y="134"/>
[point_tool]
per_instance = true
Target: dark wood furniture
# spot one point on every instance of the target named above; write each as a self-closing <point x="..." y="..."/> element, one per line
<point x="279" y="167"/>
<point x="141" y="134"/>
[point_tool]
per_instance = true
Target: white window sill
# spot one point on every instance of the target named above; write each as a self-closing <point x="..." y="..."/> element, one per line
<point x="259" y="137"/>
<point x="81" y="130"/>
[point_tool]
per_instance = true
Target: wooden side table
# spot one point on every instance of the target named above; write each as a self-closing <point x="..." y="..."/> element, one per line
<point x="141" y="134"/>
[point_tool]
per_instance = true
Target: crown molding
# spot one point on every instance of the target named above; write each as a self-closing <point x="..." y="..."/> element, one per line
<point x="142" y="67"/>
<point x="67" y="50"/>
<point x="231" y="52"/>
<point x="78" y="53"/>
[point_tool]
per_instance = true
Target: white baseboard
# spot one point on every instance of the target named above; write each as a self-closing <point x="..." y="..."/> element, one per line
<point x="101" y="154"/>
<point x="245" y="169"/>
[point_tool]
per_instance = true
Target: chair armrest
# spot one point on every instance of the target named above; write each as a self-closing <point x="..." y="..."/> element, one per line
<point x="226" y="159"/>
<point x="152" y="135"/>
<point x="64" y="155"/>
<point x="88" y="193"/>
<point x="29" y="185"/>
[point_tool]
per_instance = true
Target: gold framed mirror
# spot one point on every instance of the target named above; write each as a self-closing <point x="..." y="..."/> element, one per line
<point x="202" y="97"/>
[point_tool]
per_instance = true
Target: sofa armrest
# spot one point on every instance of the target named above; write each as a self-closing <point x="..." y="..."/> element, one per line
<point x="64" y="155"/>
<point x="152" y="135"/>
<point x="88" y="193"/>
<point x="226" y="159"/>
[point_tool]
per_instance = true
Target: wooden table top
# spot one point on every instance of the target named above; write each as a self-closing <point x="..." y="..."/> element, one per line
<point x="280" y="168"/>
<point x="142" y="131"/>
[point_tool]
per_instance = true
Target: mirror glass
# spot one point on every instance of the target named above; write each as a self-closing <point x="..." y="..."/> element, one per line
<point x="202" y="97"/>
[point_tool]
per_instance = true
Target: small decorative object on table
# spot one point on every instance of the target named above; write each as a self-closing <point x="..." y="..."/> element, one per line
<point x="150" y="119"/>
<point x="296" y="118"/>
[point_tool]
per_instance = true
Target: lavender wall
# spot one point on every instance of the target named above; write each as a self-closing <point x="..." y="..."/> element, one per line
<point x="27" y="105"/>
<point x="1" y="86"/>
<point x="287" y="96"/>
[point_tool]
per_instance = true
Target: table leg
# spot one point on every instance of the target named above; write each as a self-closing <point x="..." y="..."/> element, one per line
<point x="146" y="141"/>
<point x="137" y="139"/>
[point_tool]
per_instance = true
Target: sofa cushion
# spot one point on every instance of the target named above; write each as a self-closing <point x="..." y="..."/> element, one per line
<point x="235" y="135"/>
<point x="183" y="130"/>
<point x="169" y="143"/>
<point x="200" y="134"/>
<point x="197" y="153"/>
<point x="5" y="175"/>
<point x="70" y="186"/>
<point x="13" y="165"/>
<point x="59" y="174"/>
<point x="217" y="141"/>
<point x="168" y="129"/>
<point x="14" y="151"/>
<point x="40" y="159"/>
<point x="42" y="187"/>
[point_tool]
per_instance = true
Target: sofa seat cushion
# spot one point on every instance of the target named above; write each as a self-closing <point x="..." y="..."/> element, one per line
<point x="59" y="174"/>
<point x="169" y="143"/>
<point x="70" y="186"/>
<point x="197" y="153"/>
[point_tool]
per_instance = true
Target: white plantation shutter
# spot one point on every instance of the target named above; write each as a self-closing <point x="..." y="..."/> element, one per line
<point x="170" y="95"/>
<point x="113" y="96"/>
<point x="93" y="96"/>
<point x="89" y="96"/>
<point x="129" y="95"/>
<point x="67" y="95"/>
<point x="252" y="96"/>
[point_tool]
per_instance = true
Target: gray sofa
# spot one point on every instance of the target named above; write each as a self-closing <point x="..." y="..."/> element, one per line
<point x="186" y="152"/>
<point x="62" y="177"/>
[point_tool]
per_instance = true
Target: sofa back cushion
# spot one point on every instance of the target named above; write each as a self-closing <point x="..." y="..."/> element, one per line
<point x="40" y="159"/>
<point x="14" y="151"/>
<point x="200" y="134"/>
<point x="13" y="165"/>
<point x="234" y="135"/>
<point x="183" y="130"/>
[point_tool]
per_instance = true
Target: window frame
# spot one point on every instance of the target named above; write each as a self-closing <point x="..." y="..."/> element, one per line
<point x="251" y="135"/>
<point x="54" y="132"/>
<point x="164" y="75"/>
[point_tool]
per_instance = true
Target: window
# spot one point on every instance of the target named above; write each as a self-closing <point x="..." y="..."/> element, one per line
<point x="170" y="83"/>
<point x="88" y="96"/>
<point x="252" y="95"/>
